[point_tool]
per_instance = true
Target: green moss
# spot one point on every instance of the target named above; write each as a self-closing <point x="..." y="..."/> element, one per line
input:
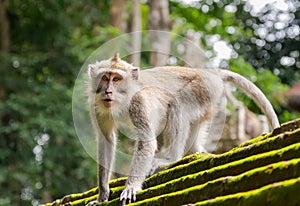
<point x="117" y="182"/>
<point x="190" y="158"/>
<point x="73" y="197"/>
<point x="232" y="168"/>
<point x="279" y="193"/>
<point x="210" y="161"/>
<point x="116" y="192"/>
<point x="116" y="185"/>
<point x="82" y="202"/>
<point x="287" y="127"/>
<point x="228" y="185"/>
<point x="254" y="140"/>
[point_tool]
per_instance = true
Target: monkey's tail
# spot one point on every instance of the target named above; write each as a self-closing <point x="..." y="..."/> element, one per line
<point x="254" y="92"/>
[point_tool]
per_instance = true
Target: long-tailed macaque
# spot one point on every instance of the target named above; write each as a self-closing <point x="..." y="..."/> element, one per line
<point x="169" y="105"/>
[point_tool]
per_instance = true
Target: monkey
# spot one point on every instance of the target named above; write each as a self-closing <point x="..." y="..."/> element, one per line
<point x="169" y="105"/>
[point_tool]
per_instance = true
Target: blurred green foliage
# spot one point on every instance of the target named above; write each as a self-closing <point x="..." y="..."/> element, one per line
<point x="40" y="155"/>
<point x="267" y="39"/>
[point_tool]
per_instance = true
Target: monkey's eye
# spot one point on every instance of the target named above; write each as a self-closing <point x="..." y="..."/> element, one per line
<point x="116" y="79"/>
<point x="104" y="78"/>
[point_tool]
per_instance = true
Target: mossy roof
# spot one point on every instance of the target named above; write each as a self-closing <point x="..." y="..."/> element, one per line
<point x="262" y="171"/>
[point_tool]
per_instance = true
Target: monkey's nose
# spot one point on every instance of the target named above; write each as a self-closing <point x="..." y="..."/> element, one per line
<point x="108" y="91"/>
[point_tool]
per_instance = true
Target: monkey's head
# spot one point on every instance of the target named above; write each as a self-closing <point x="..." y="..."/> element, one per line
<point x="111" y="80"/>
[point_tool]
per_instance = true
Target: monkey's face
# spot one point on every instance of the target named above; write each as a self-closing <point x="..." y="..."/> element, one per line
<point x="108" y="87"/>
<point x="111" y="82"/>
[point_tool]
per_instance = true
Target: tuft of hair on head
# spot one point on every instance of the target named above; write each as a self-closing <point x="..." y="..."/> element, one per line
<point x="116" y="57"/>
<point x="117" y="63"/>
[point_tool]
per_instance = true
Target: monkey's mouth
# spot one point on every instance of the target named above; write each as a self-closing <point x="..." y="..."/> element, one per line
<point x="107" y="102"/>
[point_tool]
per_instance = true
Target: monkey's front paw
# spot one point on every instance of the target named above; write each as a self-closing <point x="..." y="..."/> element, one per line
<point x="129" y="194"/>
<point x="103" y="197"/>
<point x="92" y="203"/>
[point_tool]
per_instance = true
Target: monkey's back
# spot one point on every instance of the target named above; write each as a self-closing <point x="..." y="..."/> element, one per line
<point x="203" y="84"/>
<point x="196" y="91"/>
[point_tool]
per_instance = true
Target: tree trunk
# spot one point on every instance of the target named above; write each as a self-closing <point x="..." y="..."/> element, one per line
<point x="159" y="19"/>
<point x="193" y="54"/>
<point x="4" y="25"/>
<point x="118" y="14"/>
<point x="136" y="27"/>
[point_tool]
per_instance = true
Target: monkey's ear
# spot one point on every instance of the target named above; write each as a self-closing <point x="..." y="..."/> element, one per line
<point x="91" y="71"/>
<point x="135" y="72"/>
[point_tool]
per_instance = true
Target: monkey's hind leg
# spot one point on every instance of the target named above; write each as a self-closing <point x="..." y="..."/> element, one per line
<point x="197" y="137"/>
<point x="177" y="134"/>
<point x="205" y="132"/>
